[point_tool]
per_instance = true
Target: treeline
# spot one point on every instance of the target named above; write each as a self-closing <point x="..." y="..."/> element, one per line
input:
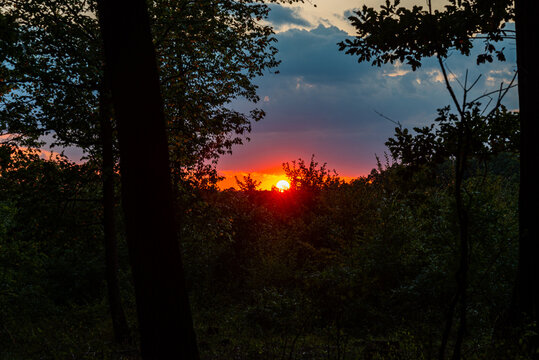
<point x="328" y="269"/>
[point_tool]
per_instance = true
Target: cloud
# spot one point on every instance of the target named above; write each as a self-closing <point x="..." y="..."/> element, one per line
<point x="325" y="102"/>
<point x="285" y="17"/>
<point x="349" y="13"/>
<point x="436" y="75"/>
<point x="495" y="77"/>
<point x="313" y="54"/>
<point x="397" y="72"/>
<point x="336" y="12"/>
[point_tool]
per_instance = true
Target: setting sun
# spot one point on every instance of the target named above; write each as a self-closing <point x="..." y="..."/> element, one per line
<point x="283" y="185"/>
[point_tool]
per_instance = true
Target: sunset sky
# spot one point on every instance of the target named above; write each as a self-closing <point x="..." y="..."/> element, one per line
<point x="324" y="103"/>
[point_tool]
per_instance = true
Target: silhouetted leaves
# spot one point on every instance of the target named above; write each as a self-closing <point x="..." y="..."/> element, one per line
<point x="408" y="35"/>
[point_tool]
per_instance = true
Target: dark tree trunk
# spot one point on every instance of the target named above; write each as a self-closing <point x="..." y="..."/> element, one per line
<point x="119" y="323"/>
<point x="526" y="299"/>
<point x="464" y="246"/>
<point x="461" y="295"/>
<point x="165" y="322"/>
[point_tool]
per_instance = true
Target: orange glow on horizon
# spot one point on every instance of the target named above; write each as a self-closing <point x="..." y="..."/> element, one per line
<point x="268" y="177"/>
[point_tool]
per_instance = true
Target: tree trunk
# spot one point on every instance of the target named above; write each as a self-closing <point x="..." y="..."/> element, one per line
<point x="164" y="316"/>
<point x="526" y="296"/>
<point x="119" y="323"/>
<point x="461" y="296"/>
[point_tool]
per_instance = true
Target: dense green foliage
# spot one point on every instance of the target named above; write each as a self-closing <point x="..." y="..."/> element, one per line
<point x="52" y="301"/>
<point x="352" y="269"/>
<point x="326" y="270"/>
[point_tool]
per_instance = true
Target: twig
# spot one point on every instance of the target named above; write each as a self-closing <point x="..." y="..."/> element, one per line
<point x="501" y="95"/>
<point x="388" y="118"/>
<point x="448" y="85"/>
<point x="511" y="85"/>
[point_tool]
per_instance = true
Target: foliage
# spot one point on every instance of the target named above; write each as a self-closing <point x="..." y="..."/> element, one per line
<point x="421" y="152"/>
<point x="52" y="67"/>
<point x="398" y="34"/>
<point x="208" y="53"/>
<point x="51" y="256"/>
<point x="408" y="35"/>
<point x="338" y="275"/>
<point x="248" y="184"/>
<point x="361" y="268"/>
<point x="309" y="177"/>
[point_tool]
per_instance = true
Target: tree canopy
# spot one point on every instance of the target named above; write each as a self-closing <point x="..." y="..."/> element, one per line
<point x="208" y="54"/>
<point x="409" y="35"/>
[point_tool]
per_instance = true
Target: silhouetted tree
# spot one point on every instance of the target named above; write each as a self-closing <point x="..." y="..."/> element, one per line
<point x="53" y="66"/>
<point x="309" y="178"/>
<point x="208" y="53"/>
<point x="408" y="35"/>
<point x="526" y="300"/>
<point x="165" y="322"/>
<point x="248" y="184"/>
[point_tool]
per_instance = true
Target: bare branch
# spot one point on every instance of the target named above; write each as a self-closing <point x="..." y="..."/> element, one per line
<point x="449" y="87"/>
<point x="501" y="94"/>
<point x="511" y="85"/>
<point x="388" y="118"/>
<point x="486" y="106"/>
<point x="475" y="82"/>
<point x="465" y="90"/>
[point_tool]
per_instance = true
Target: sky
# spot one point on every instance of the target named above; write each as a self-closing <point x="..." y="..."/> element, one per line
<point x="324" y="103"/>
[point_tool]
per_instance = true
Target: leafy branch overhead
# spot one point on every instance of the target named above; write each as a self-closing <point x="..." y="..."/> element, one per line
<point x="408" y="35"/>
<point x="432" y="145"/>
<point x="208" y="52"/>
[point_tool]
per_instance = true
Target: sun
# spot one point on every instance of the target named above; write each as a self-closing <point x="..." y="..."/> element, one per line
<point x="283" y="185"/>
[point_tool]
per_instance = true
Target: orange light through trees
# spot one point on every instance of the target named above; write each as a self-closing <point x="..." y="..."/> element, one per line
<point x="283" y="185"/>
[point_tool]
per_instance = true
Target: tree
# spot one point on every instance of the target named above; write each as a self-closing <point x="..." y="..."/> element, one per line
<point x="408" y="35"/>
<point x="432" y="145"/>
<point x="53" y="70"/>
<point x="526" y="299"/>
<point x="209" y="52"/>
<point x="459" y="140"/>
<point x="53" y="83"/>
<point x="309" y="178"/>
<point x="52" y="257"/>
<point x="248" y="184"/>
<point x="162" y="303"/>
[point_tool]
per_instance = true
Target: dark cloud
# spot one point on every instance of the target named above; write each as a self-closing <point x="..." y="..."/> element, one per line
<point x="324" y="102"/>
<point x="280" y="16"/>
<point x="314" y="55"/>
